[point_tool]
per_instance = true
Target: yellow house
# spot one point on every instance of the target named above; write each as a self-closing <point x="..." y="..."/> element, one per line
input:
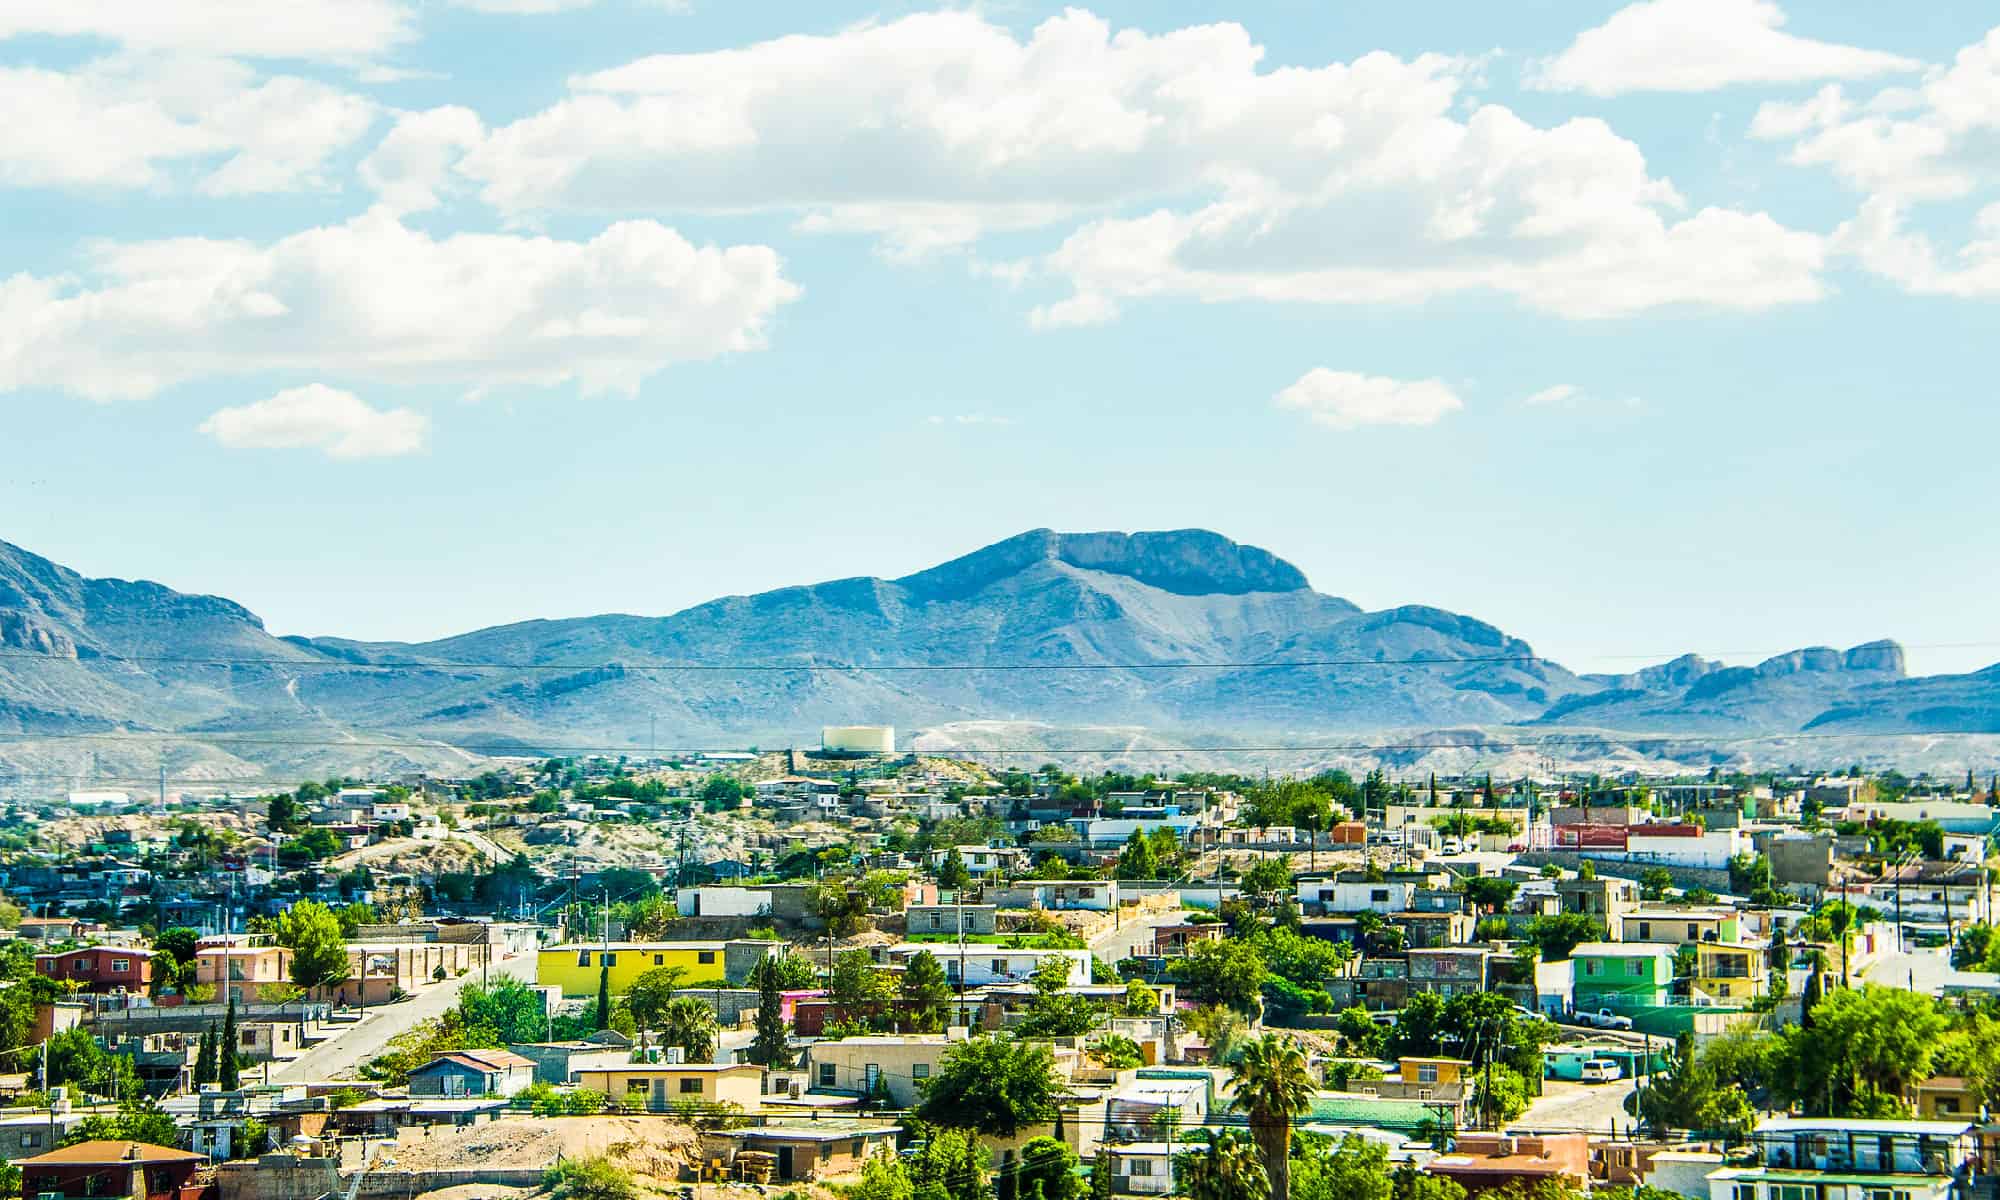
<point x="576" y="967"/>
<point x="1731" y="973"/>
<point x="1428" y="1071"/>
<point x="657" y="1087"/>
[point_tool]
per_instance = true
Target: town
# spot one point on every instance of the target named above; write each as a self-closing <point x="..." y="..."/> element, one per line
<point x="857" y="972"/>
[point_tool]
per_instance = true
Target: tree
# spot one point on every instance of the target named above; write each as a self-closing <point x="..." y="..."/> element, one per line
<point x="1654" y="882"/>
<point x="883" y="1177"/>
<point x="501" y="1013"/>
<point x="1352" y="1169"/>
<point x="319" y="952"/>
<point x="1141" y="1000"/>
<point x="1227" y="972"/>
<point x="604" y="997"/>
<point x="1136" y="860"/>
<point x="925" y="993"/>
<point x="1270" y="1084"/>
<point x="722" y="793"/>
<point x="992" y="1086"/>
<point x="1054" y="1011"/>
<point x="689" y="1024"/>
<point x="281" y="814"/>
<point x="952" y="873"/>
<point x="1558" y="934"/>
<point x="1488" y="893"/>
<point x="1228" y="1169"/>
<point x="650" y="994"/>
<point x="1866" y="1045"/>
<point x="1266" y="879"/>
<point x="773" y="1045"/>
<point x="205" y="1068"/>
<point x="1420" y="1027"/>
<point x="855" y="983"/>
<point x="138" y="1120"/>
<point x="1689" y="1095"/>
<point x="1046" y="1169"/>
<point x="229" y="1067"/>
<point x="950" y="1165"/>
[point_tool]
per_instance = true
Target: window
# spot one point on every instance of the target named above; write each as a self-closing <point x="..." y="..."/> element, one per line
<point x="583" y="958"/>
<point x="121" y="965"/>
<point x="1590" y="966"/>
<point x="827" y="1076"/>
<point x="607" y="959"/>
<point x="705" y="957"/>
<point x="1427" y="1072"/>
<point x="1138" y="1166"/>
<point x="1378" y="895"/>
<point x="30" y="1138"/>
<point x="659" y="960"/>
<point x="637" y="1087"/>
<point x="825" y="1151"/>
<point x="1694" y="932"/>
<point x="1634" y="967"/>
<point x="999" y="966"/>
<point x="920" y="1071"/>
<point x="249" y="1037"/>
<point x="1791" y="1191"/>
<point x="1645" y="929"/>
<point x="854" y="1147"/>
<point x="690" y="1087"/>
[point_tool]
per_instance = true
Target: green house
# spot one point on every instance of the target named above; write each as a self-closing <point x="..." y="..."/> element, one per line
<point x="1621" y="975"/>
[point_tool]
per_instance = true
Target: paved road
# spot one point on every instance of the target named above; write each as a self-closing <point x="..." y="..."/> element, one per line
<point x="1590" y="1107"/>
<point x="340" y="1056"/>
<point x="1132" y="935"/>
<point x="1926" y="970"/>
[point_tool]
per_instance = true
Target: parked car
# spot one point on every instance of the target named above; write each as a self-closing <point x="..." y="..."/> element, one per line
<point x="1603" y="1018"/>
<point x="1602" y="1070"/>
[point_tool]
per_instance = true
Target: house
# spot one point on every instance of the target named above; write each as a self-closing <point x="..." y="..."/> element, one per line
<point x="99" y="969"/>
<point x="1945" y="1098"/>
<point x="25" y="1132"/>
<point x="1621" y="975"/>
<point x="1675" y="925"/>
<point x="239" y="971"/>
<point x="1440" y="1083"/>
<point x="1455" y="971"/>
<point x="558" y="1062"/>
<point x="1357" y="894"/>
<point x="657" y="1087"/>
<point x="1608" y="898"/>
<point x="473" y="1073"/>
<point x="576" y="967"/>
<point x="1802" y="1157"/>
<point x="1143" y="1168"/>
<point x="951" y="918"/>
<point x="1107" y="833"/>
<point x="897" y="1063"/>
<point x="51" y="929"/>
<point x="1731" y="974"/>
<point x="987" y="964"/>
<point x="984" y="860"/>
<point x="1481" y="1162"/>
<point x="385" y="1117"/>
<point x="1157" y="1103"/>
<point x="123" y="1169"/>
<point x="815" y="1149"/>
<point x="723" y="902"/>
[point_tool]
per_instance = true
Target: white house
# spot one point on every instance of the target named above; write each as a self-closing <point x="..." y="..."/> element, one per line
<point x="1800" y="1158"/>
<point x="986" y="964"/>
<point x="984" y="860"/>
<point x="1387" y="896"/>
<point x="1711" y="848"/>
<point x="723" y="902"/>
<point x="1143" y="1168"/>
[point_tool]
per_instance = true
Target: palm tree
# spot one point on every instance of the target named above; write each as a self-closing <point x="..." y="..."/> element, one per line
<point x="690" y="1024"/>
<point x="1227" y="1170"/>
<point x="1270" y="1084"/>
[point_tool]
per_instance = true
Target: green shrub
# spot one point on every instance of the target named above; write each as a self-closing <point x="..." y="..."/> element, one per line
<point x="595" y="1178"/>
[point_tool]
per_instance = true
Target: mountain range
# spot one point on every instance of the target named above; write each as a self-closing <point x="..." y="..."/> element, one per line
<point x="1183" y="630"/>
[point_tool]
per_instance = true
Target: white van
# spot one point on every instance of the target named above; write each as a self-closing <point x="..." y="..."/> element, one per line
<point x="1602" y="1070"/>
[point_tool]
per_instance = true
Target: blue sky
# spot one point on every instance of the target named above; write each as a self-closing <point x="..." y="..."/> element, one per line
<point x="1634" y="329"/>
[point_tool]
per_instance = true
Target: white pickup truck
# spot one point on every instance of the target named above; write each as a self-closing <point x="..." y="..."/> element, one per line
<point x="1603" y="1018"/>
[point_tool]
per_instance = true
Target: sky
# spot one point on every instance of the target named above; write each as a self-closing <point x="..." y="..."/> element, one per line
<point x="1633" y="329"/>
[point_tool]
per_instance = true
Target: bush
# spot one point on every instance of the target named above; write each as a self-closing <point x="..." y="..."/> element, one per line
<point x="595" y="1178"/>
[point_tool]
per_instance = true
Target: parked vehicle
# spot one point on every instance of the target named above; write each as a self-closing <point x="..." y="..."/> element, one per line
<point x="1603" y="1018"/>
<point x="1602" y="1070"/>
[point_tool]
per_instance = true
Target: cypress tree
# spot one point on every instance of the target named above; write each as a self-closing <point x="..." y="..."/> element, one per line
<point x="204" y="1058"/>
<point x="228" y="1073"/>
<point x="772" y="1047"/>
<point x="604" y="997"/>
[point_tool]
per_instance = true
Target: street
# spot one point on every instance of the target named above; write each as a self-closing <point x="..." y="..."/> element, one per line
<point x="340" y="1056"/>
<point x="1586" y="1107"/>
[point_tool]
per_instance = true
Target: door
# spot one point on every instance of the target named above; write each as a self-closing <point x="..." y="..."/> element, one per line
<point x="870" y="1076"/>
<point x="659" y="1095"/>
<point x="784" y="1162"/>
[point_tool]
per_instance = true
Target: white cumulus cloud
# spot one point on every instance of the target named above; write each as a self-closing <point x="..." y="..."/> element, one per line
<point x="1702" y="46"/>
<point x="1351" y="182"/>
<point x="337" y="423"/>
<point x="143" y="121"/>
<point x="1347" y="400"/>
<point x="373" y="299"/>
